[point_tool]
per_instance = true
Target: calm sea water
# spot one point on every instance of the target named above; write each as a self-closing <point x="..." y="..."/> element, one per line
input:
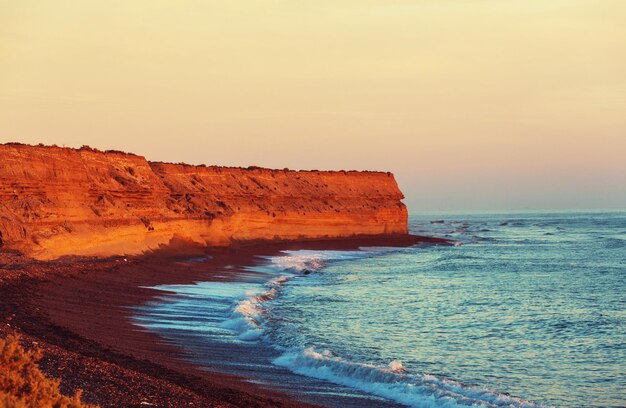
<point x="529" y="310"/>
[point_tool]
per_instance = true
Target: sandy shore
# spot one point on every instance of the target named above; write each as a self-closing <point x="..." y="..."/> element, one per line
<point x="78" y="311"/>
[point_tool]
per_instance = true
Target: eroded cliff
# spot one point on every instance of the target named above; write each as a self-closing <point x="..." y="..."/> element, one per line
<point x="59" y="201"/>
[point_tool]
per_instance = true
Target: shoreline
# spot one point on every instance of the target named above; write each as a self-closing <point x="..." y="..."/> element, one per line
<point x="78" y="310"/>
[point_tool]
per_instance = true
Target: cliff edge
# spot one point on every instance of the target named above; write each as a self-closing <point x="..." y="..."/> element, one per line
<point x="59" y="201"/>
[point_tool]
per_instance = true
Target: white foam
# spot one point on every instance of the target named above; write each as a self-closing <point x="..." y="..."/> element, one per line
<point x="312" y="261"/>
<point x="396" y="367"/>
<point x="394" y="382"/>
<point x="299" y="263"/>
<point x="247" y="316"/>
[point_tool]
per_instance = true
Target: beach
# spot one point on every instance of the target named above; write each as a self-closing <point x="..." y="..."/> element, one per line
<point x="346" y="204"/>
<point x="78" y="311"/>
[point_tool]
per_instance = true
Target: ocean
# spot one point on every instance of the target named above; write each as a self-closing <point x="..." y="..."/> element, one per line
<point x="528" y="309"/>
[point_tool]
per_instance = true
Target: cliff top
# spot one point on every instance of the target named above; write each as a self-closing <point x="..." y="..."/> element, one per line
<point x="86" y="148"/>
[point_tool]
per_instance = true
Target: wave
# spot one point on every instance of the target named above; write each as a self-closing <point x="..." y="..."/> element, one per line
<point x="394" y="382"/>
<point x="299" y="263"/>
<point x="247" y="318"/>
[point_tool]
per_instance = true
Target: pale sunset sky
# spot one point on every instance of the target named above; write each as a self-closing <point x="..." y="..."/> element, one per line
<point x="473" y="104"/>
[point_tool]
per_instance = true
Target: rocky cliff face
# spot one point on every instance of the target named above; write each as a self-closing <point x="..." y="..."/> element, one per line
<point x="58" y="201"/>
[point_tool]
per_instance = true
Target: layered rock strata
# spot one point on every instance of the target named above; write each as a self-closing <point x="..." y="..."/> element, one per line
<point x="59" y="201"/>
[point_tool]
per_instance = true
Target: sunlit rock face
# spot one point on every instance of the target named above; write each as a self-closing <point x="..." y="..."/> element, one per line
<point x="59" y="201"/>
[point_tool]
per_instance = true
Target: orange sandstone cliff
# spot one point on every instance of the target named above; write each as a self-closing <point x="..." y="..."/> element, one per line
<point x="59" y="201"/>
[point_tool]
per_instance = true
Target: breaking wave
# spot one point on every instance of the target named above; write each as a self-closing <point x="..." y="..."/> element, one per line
<point x="394" y="382"/>
<point x="247" y="318"/>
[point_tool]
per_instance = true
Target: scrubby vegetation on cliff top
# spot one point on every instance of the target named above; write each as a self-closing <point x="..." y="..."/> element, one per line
<point x="214" y="167"/>
<point x="23" y="385"/>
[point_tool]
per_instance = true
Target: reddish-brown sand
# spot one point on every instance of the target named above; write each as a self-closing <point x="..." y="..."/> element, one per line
<point x="77" y="311"/>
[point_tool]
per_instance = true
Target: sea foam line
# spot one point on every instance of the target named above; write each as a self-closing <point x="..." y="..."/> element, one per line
<point x="247" y="316"/>
<point x="392" y="382"/>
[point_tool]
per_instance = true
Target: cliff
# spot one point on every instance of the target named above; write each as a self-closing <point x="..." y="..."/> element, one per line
<point x="59" y="201"/>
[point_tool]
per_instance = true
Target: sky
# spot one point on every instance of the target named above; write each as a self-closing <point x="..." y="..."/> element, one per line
<point x="473" y="104"/>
